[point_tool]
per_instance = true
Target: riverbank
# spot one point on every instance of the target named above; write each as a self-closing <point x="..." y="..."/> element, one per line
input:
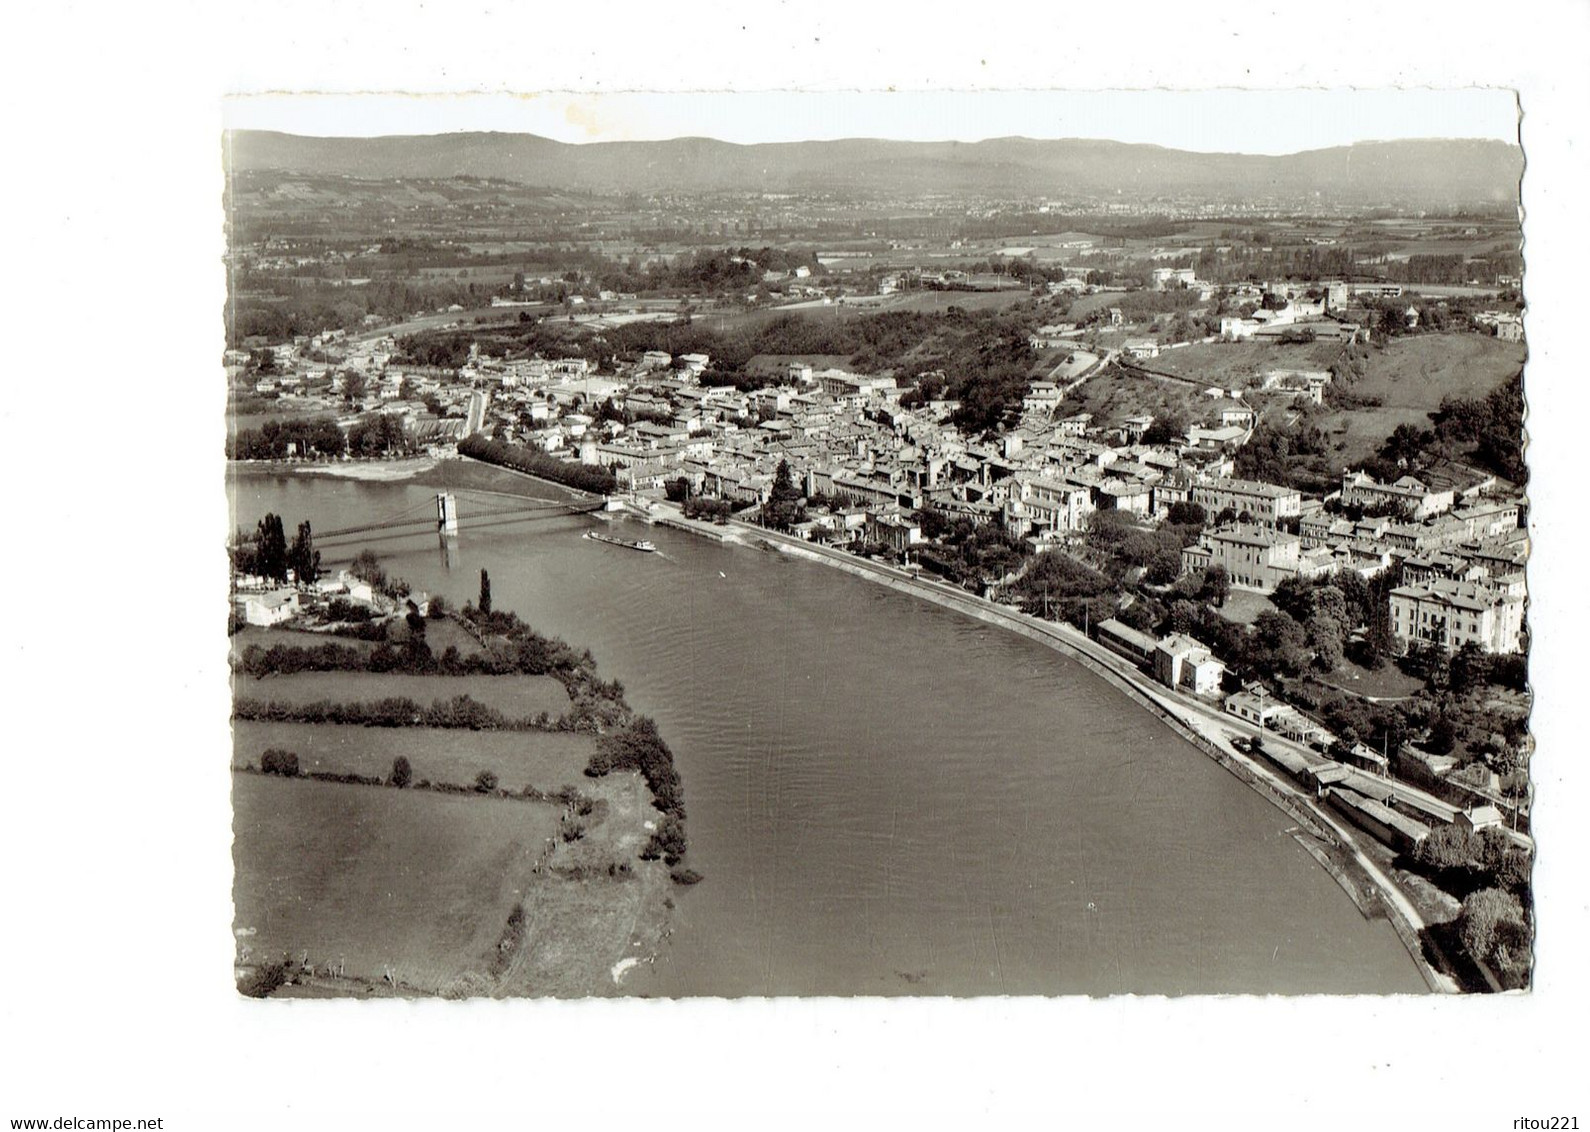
<point x="369" y="471"/>
<point x="1205" y="727"/>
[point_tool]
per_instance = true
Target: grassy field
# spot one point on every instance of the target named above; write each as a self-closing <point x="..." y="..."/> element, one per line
<point x="1236" y="365"/>
<point x="545" y="760"/>
<point x="1243" y="607"/>
<point x="297" y="638"/>
<point x="415" y="881"/>
<point x="515" y="696"/>
<point x="1388" y="681"/>
<point x="1411" y="376"/>
<point x="1417" y="372"/>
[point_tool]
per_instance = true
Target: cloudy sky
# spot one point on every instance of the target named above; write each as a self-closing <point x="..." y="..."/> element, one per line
<point x="1244" y="121"/>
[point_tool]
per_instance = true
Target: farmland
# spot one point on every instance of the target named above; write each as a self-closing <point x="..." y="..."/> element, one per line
<point x="545" y="760"/>
<point x="293" y="638"/>
<point x="517" y="697"/>
<point x="419" y="882"/>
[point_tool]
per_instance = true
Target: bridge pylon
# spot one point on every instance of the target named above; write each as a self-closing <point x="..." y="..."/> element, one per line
<point x="446" y="513"/>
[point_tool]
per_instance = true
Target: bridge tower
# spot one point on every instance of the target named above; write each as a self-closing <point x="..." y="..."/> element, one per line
<point x="446" y="513"/>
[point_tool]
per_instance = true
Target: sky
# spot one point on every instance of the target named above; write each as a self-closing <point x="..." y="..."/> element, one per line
<point x="1223" y="120"/>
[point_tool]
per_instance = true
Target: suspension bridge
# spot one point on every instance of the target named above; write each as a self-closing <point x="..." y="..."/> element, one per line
<point x="441" y="514"/>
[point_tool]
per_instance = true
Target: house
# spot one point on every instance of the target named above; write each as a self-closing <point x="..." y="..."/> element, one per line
<point x="893" y="530"/>
<point x="1254" y="557"/>
<point x="1408" y="497"/>
<point x="357" y="588"/>
<point x="269" y="608"/>
<point x="1044" y="506"/>
<point x="1253" y="705"/>
<point x="1477" y="818"/>
<point x="1264" y="503"/>
<point x="1181" y="661"/>
<point x="1451" y="613"/>
<point x="1132" y="496"/>
<point x="1042" y="397"/>
<point x="1216" y="438"/>
<point x="1075" y="425"/>
<point x="1141" y="348"/>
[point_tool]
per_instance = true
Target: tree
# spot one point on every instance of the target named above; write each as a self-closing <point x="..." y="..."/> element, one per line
<point x="1325" y="639"/>
<point x="1278" y="643"/>
<point x="1486" y="916"/>
<point x="303" y="559"/>
<point x="402" y="773"/>
<point x="1186" y="514"/>
<point x="367" y="568"/>
<point x="783" y="508"/>
<point x="1443" y="735"/>
<point x="485" y="782"/>
<point x="485" y="592"/>
<point x="270" y="553"/>
<point x="1217" y="585"/>
<point x="277" y="761"/>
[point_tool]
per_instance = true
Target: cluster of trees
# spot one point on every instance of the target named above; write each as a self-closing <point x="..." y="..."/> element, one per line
<point x="639" y="747"/>
<point x="379" y="434"/>
<point x="277" y="440"/>
<point x="1298" y="456"/>
<point x="1118" y="543"/>
<point x="707" y="507"/>
<point x="1493" y="928"/>
<point x="582" y="477"/>
<point x="270" y="556"/>
<point x="1330" y="609"/>
<point x="295" y="308"/>
<point x="1057" y="585"/>
<point x="1493" y="424"/>
<point x="967" y="553"/>
<point x="458" y="713"/>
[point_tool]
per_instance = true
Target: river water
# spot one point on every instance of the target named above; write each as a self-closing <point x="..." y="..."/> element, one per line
<point x="888" y="798"/>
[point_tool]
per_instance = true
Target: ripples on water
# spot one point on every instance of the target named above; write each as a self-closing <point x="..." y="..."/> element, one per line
<point x="887" y="798"/>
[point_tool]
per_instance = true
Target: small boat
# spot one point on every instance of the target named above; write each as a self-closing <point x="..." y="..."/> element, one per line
<point x="640" y="544"/>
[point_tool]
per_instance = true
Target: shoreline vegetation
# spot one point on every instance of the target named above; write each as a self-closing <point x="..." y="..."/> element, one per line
<point x="592" y="901"/>
<point x="1322" y="835"/>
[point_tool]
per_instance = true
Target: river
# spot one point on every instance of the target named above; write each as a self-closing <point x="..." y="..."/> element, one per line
<point x="886" y="797"/>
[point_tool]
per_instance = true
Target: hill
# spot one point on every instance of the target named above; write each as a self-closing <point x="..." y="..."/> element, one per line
<point x="1428" y="172"/>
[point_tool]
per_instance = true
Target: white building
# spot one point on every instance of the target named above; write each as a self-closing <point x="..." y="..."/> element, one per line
<point x="1451" y="613"/>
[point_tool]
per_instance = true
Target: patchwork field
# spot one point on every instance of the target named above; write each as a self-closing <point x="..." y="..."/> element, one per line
<point x="515" y="696"/>
<point x="545" y="760"/>
<point x="415" y="882"/>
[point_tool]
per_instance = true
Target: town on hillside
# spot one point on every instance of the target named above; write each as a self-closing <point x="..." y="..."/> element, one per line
<point x="1273" y="459"/>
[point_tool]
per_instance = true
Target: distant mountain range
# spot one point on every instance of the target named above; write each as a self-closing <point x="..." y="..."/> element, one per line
<point x="1433" y="170"/>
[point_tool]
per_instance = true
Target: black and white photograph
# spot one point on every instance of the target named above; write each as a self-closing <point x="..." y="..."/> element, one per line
<point x="779" y="563"/>
<point x="1030" y="565"/>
